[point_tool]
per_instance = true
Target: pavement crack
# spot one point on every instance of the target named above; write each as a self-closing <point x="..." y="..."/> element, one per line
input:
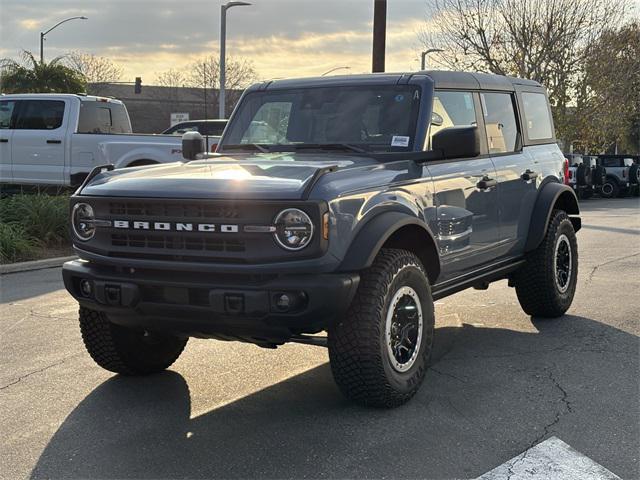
<point x="567" y="408"/>
<point x="39" y="370"/>
<point x="594" y="269"/>
<point x="439" y="372"/>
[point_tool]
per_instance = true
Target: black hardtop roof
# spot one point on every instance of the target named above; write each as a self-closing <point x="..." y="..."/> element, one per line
<point x="442" y="79"/>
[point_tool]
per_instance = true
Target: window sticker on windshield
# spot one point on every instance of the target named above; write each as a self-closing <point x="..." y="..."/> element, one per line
<point x="399" y="141"/>
<point x="399" y="98"/>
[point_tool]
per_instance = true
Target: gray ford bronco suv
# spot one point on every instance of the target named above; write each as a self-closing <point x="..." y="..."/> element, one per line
<point x="345" y="204"/>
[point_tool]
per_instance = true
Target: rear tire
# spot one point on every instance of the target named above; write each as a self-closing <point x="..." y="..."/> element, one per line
<point x="379" y="351"/>
<point x="124" y="350"/>
<point x="546" y="284"/>
<point x="610" y="188"/>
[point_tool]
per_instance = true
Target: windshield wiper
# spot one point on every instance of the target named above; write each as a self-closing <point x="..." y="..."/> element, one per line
<point x="247" y="146"/>
<point x="319" y="146"/>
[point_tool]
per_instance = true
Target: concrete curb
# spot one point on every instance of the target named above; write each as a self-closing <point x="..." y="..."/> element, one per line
<point x="34" y="265"/>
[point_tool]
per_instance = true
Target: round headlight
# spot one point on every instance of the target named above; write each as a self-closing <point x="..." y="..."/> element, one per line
<point x="82" y="221"/>
<point x="294" y="229"/>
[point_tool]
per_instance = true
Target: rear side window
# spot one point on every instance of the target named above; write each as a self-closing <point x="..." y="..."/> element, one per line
<point x="213" y="128"/>
<point x="40" y="115"/>
<point x="500" y="122"/>
<point x="7" y="108"/>
<point x="537" y="118"/>
<point x="103" y="117"/>
<point x="452" y="109"/>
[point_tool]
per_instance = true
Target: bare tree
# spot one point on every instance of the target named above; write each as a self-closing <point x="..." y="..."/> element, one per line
<point x="544" y="40"/>
<point x="205" y="74"/>
<point x="173" y="78"/>
<point x="97" y="70"/>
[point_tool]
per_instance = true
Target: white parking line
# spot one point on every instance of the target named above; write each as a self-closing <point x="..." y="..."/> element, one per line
<point x="551" y="459"/>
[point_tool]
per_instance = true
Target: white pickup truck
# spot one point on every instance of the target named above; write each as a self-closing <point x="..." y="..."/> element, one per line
<point x="57" y="139"/>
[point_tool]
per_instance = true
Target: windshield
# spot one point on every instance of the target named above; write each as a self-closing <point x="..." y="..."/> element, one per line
<point x="360" y="118"/>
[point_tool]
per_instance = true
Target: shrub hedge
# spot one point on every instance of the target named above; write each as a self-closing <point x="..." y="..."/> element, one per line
<point x="32" y="223"/>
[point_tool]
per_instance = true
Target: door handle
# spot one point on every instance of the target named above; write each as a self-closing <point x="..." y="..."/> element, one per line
<point x="486" y="184"/>
<point x="529" y="175"/>
<point x="4" y="140"/>
<point x="54" y="141"/>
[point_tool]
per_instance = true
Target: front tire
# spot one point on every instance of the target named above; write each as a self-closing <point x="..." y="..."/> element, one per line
<point x="125" y="350"/>
<point x="546" y="284"/>
<point x="379" y="351"/>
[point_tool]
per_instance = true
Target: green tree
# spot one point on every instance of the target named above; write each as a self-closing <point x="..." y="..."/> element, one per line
<point x="31" y="76"/>
<point x="607" y="113"/>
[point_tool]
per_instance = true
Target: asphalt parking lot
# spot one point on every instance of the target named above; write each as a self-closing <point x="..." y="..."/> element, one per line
<point x="500" y="383"/>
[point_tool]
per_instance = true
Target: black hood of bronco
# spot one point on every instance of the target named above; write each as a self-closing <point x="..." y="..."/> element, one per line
<point x="283" y="176"/>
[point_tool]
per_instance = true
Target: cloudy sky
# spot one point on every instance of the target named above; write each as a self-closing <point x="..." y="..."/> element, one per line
<point x="281" y="37"/>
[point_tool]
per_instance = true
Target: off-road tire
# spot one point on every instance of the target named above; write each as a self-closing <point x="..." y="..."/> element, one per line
<point x="610" y="188"/>
<point x="360" y="361"/>
<point x="535" y="282"/>
<point x="124" y="350"/>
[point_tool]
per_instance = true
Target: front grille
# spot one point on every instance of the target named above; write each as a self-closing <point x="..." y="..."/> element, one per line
<point x="216" y="246"/>
<point x="160" y="210"/>
<point x="175" y="242"/>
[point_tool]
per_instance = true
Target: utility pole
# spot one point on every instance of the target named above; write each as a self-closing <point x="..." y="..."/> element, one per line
<point x="379" y="34"/>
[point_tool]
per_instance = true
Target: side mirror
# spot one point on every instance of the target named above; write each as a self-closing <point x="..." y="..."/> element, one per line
<point x="457" y="142"/>
<point x="192" y="145"/>
<point x="436" y="119"/>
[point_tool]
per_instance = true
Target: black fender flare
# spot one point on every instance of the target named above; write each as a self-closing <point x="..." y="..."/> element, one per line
<point x="552" y="195"/>
<point x="380" y="229"/>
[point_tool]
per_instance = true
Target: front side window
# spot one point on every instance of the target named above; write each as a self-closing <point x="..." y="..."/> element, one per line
<point x="7" y="108"/>
<point x="536" y="114"/>
<point x="500" y="122"/>
<point x="40" y="115"/>
<point x="452" y="109"/>
<point x="371" y="118"/>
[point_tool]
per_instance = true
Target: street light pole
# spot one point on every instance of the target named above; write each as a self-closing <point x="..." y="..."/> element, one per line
<point x="424" y="56"/>
<point x="43" y="34"/>
<point x="223" y="47"/>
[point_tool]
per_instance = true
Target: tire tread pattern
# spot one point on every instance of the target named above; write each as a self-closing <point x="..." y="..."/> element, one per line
<point x="100" y="339"/>
<point x="356" y="362"/>
<point x="535" y="282"/>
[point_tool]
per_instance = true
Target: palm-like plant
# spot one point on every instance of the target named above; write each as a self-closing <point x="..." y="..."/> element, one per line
<point x="31" y="76"/>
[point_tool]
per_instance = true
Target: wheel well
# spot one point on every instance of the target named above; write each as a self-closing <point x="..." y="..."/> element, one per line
<point x="141" y="162"/>
<point x="611" y="177"/>
<point x="567" y="202"/>
<point x="414" y="239"/>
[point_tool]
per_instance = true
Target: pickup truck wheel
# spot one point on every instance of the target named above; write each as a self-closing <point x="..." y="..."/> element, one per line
<point x="124" y="350"/>
<point x="610" y="188"/>
<point x="546" y="284"/>
<point x="380" y="349"/>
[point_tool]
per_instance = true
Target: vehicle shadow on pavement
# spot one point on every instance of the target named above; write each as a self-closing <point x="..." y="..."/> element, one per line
<point x="490" y="394"/>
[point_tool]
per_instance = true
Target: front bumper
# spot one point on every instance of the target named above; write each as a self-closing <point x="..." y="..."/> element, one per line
<point x="213" y="305"/>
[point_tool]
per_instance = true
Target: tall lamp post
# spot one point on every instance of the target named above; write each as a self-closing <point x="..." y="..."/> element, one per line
<point x="43" y="34"/>
<point x="424" y="54"/>
<point x="223" y="46"/>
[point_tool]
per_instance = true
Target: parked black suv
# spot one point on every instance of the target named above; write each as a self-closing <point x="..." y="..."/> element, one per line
<point x="343" y="204"/>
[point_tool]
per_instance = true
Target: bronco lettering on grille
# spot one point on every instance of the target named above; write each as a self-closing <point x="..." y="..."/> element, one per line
<point x="178" y="227"/>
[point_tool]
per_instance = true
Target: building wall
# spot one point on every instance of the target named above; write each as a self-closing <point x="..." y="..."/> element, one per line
<point x="150" y="110"/>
